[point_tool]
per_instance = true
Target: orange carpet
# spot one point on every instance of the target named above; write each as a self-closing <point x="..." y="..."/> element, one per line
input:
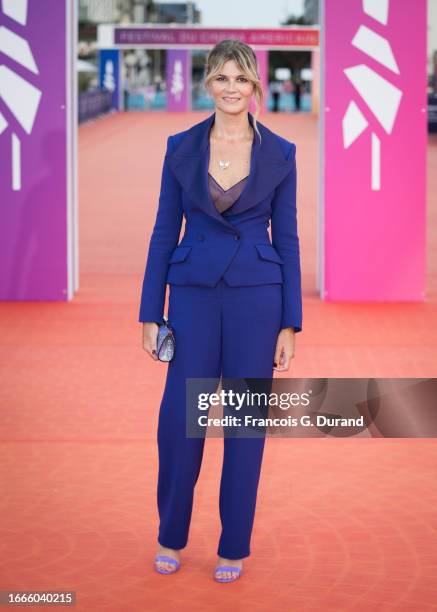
<point x="341" y="525"/>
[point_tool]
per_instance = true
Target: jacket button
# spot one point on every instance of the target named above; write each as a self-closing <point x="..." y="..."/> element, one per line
<point x="200" y="237"/>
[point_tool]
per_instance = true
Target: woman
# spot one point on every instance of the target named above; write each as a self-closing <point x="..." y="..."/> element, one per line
<point x="235" y="297"/>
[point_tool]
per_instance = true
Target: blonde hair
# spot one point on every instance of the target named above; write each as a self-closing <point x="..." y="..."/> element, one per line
<point x="245" y="58"/>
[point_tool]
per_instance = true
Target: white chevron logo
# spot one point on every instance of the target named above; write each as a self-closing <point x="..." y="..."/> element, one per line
<point x="177" y="80"/>
<point x="21" y="97"/>
<point x="381" y="97"/>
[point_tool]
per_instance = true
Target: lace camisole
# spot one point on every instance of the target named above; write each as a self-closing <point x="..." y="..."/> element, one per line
<point x="225" y="198"/>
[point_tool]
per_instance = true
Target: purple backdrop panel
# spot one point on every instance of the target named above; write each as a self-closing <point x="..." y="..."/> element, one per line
<point x="374" y="150"/>
<point x="33" y="195"/>
<point x="178" y="80"/>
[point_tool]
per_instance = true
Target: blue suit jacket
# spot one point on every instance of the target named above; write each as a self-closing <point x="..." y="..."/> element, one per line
<point x="235" y="244"/>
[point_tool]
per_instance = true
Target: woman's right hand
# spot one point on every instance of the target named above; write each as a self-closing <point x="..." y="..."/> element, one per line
<point x="150" y="336"/>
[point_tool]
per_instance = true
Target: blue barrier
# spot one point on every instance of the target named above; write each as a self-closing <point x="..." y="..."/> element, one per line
<point x="93" y="103"/>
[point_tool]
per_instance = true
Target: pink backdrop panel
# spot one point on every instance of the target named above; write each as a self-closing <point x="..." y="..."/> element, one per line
<point x="263" y="71"/>
<point x="373" y="150"/>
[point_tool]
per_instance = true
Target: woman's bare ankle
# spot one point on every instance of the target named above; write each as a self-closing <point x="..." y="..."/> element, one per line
<point x="234" y="562"/>
<point x="171" y="552"/>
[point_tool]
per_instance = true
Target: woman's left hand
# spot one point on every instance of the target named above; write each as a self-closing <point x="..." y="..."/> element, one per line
<point x="284" y="349"/>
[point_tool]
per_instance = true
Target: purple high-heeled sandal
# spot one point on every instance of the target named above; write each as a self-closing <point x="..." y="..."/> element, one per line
<point x="167" y="559"/>
<point x="228" y="568"/>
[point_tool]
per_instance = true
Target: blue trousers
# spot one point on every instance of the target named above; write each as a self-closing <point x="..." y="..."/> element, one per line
<point x="220" y="331"/>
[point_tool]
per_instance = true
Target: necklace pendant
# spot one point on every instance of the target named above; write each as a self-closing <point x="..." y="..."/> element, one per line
<point x="223" y="164"/>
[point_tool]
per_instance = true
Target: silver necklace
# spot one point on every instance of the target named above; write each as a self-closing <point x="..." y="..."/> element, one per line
<point x="224" y="163"/>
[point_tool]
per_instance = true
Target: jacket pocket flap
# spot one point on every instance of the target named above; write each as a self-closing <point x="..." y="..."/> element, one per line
<point x="267" y="251"/>
<point x="179" y="254"/>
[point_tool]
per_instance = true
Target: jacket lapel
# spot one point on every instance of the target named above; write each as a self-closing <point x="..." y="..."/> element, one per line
<point x="190" y="162"/>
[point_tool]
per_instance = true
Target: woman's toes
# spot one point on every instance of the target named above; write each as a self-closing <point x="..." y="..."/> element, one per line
<point x="226" y="574"/>
<point x="166" y="565"/>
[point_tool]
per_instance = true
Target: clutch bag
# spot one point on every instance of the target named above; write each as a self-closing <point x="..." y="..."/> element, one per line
<point x="165" y="342"/>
